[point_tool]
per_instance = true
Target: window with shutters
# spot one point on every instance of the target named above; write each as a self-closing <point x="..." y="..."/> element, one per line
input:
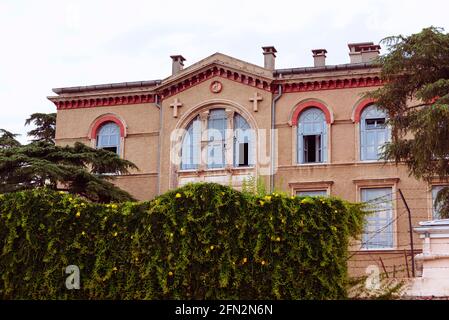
<point x="312" y="137"/>
<point x="374" y="133"/>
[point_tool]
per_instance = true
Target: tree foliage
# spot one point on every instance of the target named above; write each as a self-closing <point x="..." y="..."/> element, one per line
<point x="201" y="241"/>
<point x="8" y="139"/>
<point x="77" y="169"/>
<point x="45" y="127"/>
<point x="416" y="96"/>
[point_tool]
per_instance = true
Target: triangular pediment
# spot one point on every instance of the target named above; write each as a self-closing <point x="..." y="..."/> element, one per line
<point x="217" y="64"/>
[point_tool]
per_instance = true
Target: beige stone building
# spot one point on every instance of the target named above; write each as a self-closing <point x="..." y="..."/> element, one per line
<point x="307" y="131"/>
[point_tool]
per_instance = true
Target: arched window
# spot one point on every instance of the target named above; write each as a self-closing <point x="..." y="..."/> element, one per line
<point x="312" y="137"/>
<point x="374" y="133"/>
<point x="190" y="154"/>
<point x="240" y="138"/>
<point x="108" y="137"/>
<point x="243" y="143"/>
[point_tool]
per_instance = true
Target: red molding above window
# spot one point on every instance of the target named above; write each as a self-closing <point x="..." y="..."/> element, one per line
<point x="362" y="105"/>
<point x="310" y="104"/>
<point x="105" y="119"/>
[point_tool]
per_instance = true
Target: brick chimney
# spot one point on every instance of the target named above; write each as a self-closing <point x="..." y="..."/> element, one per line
<point x="177" y="64"/>
<point x="269" y="54"/>
<point x="363" y="52"/>
<point x="319" y="57"/>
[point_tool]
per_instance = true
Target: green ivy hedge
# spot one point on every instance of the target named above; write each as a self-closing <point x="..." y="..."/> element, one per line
<point x="201" y="241"/>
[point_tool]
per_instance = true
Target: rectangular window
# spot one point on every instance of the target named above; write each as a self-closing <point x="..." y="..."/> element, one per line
<point x="436" y="210"/>
<point x="312" y="149"/>
<point x="378" y="123"/>
<point x="378" y="231"/>
<point x="312" y="193"/>
<point x="243" y="154"/>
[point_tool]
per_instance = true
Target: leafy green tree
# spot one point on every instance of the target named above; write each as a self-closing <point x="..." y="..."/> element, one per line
<point x="77" y="169"/>
<point x="45" y="126"/>
<point x="8" y="139"/>
<point x="416" y="96"/>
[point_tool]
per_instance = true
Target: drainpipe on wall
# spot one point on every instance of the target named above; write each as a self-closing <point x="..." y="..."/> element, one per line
<point x="273" y="121"/>
<point x="159" y="146"/>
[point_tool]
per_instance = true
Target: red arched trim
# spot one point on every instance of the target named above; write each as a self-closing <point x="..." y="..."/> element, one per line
<point x="104" y="119"/>
<point x="310" y="104"/>
<point x="362" y="105"/>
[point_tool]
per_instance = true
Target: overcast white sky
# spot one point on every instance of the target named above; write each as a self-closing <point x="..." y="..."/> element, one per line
<point x="47" y="44"/>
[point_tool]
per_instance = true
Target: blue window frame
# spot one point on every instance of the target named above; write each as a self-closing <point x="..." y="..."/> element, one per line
<point x="378" y="231"/>
<point x="374" y="133"/>
<point x="216" y="143"/>
<point x="312" y="137"/>
<point x="243" y="143"/>
<point x="108" y="137"/>
<point x="191" y="145"/>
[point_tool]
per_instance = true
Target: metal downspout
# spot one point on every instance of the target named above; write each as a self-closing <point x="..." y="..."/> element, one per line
<point x="159" y="146"/>
<point x="273" y="121"/>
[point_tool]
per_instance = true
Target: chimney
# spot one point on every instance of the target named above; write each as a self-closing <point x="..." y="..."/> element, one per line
<point x="269" y="54"/>
<point x="319" y="57"/>
<point x="177" y="64"/>
<point x="363" y="52"/>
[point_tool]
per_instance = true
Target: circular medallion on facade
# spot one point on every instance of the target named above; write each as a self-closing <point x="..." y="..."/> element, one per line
<point x="216" y="86"/>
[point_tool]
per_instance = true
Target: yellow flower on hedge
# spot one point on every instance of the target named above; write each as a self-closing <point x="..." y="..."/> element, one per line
<point x="83" y="233"/>
<point x="268" y="198"/>
<point x="261" y="202"/>
<point x="278" y="239"/>
<point x="245" y="260"/>
<point x="114" y="206"/>
<point x="263" y="262"/>
<point x="212" y="247"/>
<point x="170" y="274"/>
<point x="293" y="197"/>
<point x="114" y="269"/>
<point x="78" y="214"/>
<point x="306" y="200"/>
<point x="178" y="195"/>
<point x="115" y="234"/>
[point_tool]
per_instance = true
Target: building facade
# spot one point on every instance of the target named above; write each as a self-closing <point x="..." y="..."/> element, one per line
<point x="306" y="131"/>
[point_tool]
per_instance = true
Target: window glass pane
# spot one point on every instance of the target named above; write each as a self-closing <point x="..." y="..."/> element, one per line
<point x="243" y="142"/>
<point x="373" y="133"/>
<point x="378" y="231"/>
<point x="109" y="137"/>
<point x="216" y="135"/>
<point x="436" y="210"/>
<point x="191" y="146"/>
<point x="312" y="193"/>
<point x="311" y="136"/>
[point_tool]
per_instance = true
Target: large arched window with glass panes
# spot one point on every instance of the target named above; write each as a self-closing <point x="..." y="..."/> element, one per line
<point x="374" y="133"/>
<point x="222" y="136"/>
<point x="108" y="137"/>
<point x="312" y="137"/>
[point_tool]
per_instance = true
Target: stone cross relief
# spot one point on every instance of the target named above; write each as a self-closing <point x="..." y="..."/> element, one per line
<point x="175" y="105"/>
<point x="255" y="100"/>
